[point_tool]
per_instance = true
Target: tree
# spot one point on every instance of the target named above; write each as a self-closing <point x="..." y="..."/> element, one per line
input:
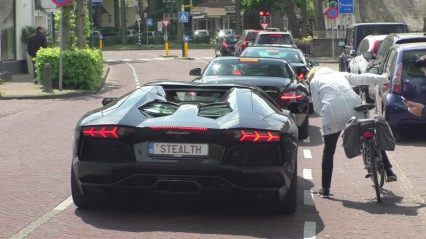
<point x="123" y="21"/>
<point x="318" y="14"/>
<point x="80" y="14"/>
<point x="238" y="16"/>
<point x="290" y="8"/>
<point x="117" y="14"/>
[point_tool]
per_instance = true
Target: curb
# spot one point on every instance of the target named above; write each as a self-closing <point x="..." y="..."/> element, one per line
<point x="62" y="96"/>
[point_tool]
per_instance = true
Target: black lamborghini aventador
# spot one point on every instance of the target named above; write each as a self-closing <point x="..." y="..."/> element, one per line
<point x="187" y="138"/>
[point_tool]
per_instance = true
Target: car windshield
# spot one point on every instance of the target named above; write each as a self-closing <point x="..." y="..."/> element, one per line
<point x="282" y="39"/>
<point x="409" y="67"/>
<point x="232" y="39"/>
<point x="246" y="67"/>
<point x="290" y="55"/>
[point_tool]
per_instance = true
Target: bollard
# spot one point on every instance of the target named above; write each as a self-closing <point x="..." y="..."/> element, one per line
<point x="47" y="82"/>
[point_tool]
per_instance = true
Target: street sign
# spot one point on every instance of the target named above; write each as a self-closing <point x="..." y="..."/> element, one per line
<point x="61" y="3"/>
<point x="149" y="22"/>
<point x="183" y="17"/>
<point x="159" y="26"/>
<point x="186" y="38"/>
<point x="332" y="12"/>
<point x="264" y="25"/>
<point x="165" y="23"/>
<point x="346" y="7"/>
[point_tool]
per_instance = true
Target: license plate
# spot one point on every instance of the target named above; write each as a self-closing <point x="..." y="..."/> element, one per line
<point x="178" y="149"/>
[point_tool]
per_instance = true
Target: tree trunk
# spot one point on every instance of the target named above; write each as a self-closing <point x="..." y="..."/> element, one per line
<point x="80" y="23"/>
<point x="140" y="7"/>
<point x="304" y="17"/>
<point x="238" y="16"/>
<point x="66" y="28"/>
<point x="292" y="20"/>
<point x="123" y="21"/>
<point x="319" y="16"/>
<point x="117" y="14"/>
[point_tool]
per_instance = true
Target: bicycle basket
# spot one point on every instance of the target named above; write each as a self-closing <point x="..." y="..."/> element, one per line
<point x="384" y="137"/>
<point x="351" y="140"/>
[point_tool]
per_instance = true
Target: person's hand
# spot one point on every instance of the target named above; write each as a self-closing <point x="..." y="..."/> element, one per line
<point x="415" y="108"/>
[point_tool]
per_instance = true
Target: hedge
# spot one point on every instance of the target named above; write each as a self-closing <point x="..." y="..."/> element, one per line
<point x="82" y="68"/>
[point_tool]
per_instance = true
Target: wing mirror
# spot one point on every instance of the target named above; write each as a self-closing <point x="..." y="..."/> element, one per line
<point x="368" y="55"/>
<point x="352" y="53"/>
<point x="106" y="101"/>
<point x="374" y="70"/>
<point x="195" y="72"/>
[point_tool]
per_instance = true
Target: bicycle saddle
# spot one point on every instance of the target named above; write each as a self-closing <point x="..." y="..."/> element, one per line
<point x="364" y="107"/>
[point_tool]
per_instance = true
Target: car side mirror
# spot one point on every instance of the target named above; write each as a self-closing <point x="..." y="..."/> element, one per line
<point x="106" y="101"/>
<point x="313" y="63"/>
<point x="341" y="43"/>
<point x="374" y="70"/>
<point x="195" y="72"/>
<point x="352" y="53"/>
<point x="368" y="55"/>
<point x="250" y="43"/>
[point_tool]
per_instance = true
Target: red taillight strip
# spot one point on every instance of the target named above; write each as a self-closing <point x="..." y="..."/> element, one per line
<point x="288" y="96"/>
<point x="101" y="131"/>
<point x="259" y="136"/>
<point x="181" y="128"/>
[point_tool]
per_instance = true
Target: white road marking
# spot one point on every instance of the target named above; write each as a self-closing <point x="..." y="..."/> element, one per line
<point x="307" y="173"/>
<point x="309" y="231"/>
<point x="307" y="153"/>
<point x="40" y="221"/>
<point x="308" y="198"/>
<point x="307" y="140"/>
<point x="135" y="76"/>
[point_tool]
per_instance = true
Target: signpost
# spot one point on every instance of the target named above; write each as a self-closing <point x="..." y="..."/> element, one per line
<point x="264" y="25"/>
<point x="183" y="17"/>
<point x="166" y="37"/>
<point x="149" y="23"/>
<point x="61" y="4"/>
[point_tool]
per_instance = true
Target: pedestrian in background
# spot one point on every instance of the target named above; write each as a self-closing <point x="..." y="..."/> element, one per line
<point x="35" y="42"/>
<point x="334" y="100"/>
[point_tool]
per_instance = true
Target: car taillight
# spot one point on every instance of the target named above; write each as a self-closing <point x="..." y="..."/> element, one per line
<point x="244" y="44"/>
<point x="225" y="45"/>
<point x="301" y="76"/>
<point x="259" y="136"/>
<point x="101" y="131"/>
<point x="396" y="81"/>
<point x="375" y="47"/>
<point x="292" y="96"/>
<point x="179" y="128"/>
<point x="368" y="134"/>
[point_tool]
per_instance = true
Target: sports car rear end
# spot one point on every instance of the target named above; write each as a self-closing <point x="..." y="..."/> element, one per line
<point x="197" y="141"/>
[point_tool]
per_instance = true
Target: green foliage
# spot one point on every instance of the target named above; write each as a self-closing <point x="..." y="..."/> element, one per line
<point x="82" y="68"/>
<point x="27" y="31"/>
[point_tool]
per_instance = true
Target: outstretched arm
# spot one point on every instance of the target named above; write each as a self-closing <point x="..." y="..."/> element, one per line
<point x="417" y="109"/>
<point x="365" y="79"/>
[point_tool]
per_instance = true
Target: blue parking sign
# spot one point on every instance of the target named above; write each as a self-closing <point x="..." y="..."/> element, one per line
<point x="186" y="38"/>
<point x="346" y="7"/>
<point x="149" y="22"/>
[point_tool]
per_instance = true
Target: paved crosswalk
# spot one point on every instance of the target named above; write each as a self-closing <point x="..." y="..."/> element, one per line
<point x="141" y="60"/>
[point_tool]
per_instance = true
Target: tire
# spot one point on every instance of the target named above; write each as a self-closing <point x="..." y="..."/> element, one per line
<point x="289" y="205"/>
<point x="304" y="128"/>
<point x="80" y="200"/>
<point x="311" y="108"/>
<point x="374" y="173"/>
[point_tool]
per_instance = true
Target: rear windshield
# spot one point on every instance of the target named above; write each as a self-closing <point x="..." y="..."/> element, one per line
<point x="289" y="55"/>
<point x="364" y="31"/>
<point x="247" y="67"/>
<point x="282" y="39"/>
<point x="232" y="39"/>
<point x="251" y="36"/>
<point x="409" y="68"/>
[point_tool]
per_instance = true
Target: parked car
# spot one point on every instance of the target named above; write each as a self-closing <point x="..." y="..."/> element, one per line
<point x="356" y="32"/>
<point x="274" y="76"/>
<point x="151" y="37"/>
<point x="365" y="53"/>
<point x="406" y="80"/>
<point x="293" y="56"/>
<point x="225" y="32"/>
<point x="226" y="45"/>
<point x="247" y="38"/>
<point x="177" y="139"/>
<point x="201" y="36"/>
<point x="264" y="38"/>
<point x="388" y="42"/>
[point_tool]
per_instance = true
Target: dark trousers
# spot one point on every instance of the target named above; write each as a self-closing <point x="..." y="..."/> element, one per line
<point x="34" y="69"/>
<point x="330" y="142"/>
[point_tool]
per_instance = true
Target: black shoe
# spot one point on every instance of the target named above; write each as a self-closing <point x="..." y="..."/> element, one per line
<point x="390" y="176"/>
<point x="324" y="192"/>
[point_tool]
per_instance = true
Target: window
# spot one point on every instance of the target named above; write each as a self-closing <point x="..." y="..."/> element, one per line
<point x="7" y="30"/>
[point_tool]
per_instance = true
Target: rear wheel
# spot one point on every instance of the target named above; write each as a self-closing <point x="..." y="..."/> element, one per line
<point x="303" y="129"/>
<point x="374" y="173"/>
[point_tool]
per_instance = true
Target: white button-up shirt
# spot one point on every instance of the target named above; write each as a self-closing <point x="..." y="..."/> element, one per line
<point x="334" y="99"/>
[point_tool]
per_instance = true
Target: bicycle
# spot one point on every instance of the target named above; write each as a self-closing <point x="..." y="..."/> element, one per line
<point x="370" y="152"/>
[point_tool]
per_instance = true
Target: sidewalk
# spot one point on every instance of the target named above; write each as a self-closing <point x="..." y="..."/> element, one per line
<point x="22" y="87"/>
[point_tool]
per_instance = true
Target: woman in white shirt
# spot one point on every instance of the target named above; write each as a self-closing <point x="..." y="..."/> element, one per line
<point x="334" y="100"/>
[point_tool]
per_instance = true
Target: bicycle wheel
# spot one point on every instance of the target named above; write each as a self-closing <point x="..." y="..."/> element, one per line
<point x="374" y="173"/>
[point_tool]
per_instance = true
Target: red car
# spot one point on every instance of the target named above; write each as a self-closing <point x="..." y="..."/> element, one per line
<point x="248" y="36"/>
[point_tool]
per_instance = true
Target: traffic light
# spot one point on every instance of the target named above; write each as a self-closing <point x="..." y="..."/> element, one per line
<point x="267" y="17"/>
<point x="261" y="16"/>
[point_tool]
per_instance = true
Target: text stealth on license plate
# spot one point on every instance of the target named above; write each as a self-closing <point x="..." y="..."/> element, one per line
<point x="175" y="149"/>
